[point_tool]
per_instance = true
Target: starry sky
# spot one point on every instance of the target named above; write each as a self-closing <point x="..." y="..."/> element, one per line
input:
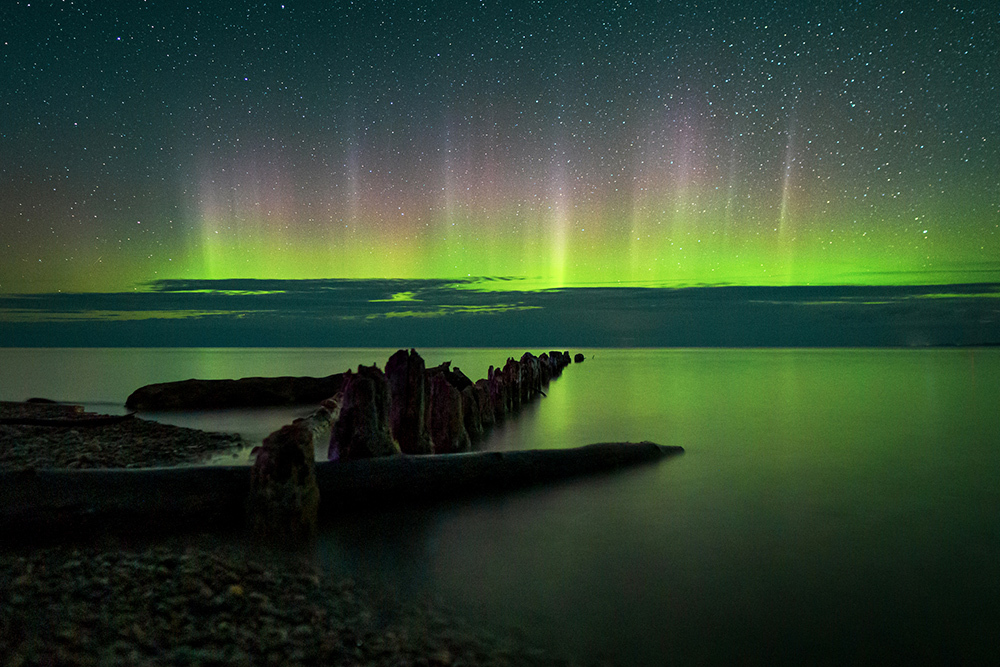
<point x="551" y="144"/>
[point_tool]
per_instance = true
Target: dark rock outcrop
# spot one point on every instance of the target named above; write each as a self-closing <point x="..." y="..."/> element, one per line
<point x="283" y="502"/>
<point x="408" y="402"/>
<point x="579" y="358"/>
<point x="250" y="392"/>
<point x="362" y="429"/>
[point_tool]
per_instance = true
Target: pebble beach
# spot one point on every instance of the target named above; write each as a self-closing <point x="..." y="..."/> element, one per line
<point x="76" y="439"/>
<point x="199" y="599"/>
<point x="215" y="605"/>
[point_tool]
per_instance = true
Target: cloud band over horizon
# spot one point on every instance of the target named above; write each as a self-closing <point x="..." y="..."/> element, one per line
<point x="441" y="313"/>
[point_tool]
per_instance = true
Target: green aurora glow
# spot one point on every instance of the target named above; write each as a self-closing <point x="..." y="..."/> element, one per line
<point x="692" y="145"/>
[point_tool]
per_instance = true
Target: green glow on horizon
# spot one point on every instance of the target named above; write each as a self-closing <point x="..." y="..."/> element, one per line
<point x="654" y="240"/>
<point x="553" y="249"/>
<point x="722" y="145"/>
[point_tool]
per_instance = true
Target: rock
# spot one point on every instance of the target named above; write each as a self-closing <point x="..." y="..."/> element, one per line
<point x="329" y="622"/>
<point x="242" y="393"/>
<point x="362" y="429"/>
<point x="579" y="358"/>
<point x="284" y="500"/>
<point x="447" y="420"/>
<point x="408" y="402"/>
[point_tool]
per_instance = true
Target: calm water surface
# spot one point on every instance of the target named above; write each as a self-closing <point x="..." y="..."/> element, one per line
<point x="832" y="506"/>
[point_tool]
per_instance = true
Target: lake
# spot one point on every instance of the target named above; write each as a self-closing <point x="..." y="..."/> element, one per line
<point x="832" y="506"/>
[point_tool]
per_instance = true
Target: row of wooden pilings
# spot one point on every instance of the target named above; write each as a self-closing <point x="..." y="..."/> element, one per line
<point x="412" y="409"/>
<point x="407" y="409"/>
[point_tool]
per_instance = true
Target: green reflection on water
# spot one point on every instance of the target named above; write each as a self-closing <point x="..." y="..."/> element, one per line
<point x="829" y="501"/>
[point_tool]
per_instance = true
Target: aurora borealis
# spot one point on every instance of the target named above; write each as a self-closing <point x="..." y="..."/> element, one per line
<point x="552" y="144"/>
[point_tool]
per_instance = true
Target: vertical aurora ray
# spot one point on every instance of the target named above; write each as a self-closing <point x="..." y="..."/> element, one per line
<point x="786" y="232"/>
<point x="559" y="221"/>
<point x="786" y="185"/>
<point x="686" y="220"/>
<point x="559" y="144"/>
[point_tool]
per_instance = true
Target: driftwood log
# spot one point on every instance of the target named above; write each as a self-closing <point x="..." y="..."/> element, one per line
<point x="59" y="503"/>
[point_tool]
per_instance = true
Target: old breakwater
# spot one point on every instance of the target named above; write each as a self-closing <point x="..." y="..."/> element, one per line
<point x="41" y="503"/>
<point x="378" y="428"/>
<point x="407" y="410"/>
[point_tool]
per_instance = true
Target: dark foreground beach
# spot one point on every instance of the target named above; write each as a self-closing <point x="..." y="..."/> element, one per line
<point x="200" y="599"/>
<point x="176" y="604"/>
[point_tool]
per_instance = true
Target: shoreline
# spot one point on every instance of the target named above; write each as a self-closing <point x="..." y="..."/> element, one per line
<point x="196" y="597"/>
<point x="178" y="603"/>
<point x="74" y="439"/>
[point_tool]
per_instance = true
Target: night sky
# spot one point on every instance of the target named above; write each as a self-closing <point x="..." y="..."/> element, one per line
<point x="554" y="144"/>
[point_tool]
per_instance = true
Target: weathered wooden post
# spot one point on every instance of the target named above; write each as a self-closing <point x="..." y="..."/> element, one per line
<point x="283" y="503"/>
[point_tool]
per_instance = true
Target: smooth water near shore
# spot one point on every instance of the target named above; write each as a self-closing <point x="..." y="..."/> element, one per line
<point x="835" y="506"/>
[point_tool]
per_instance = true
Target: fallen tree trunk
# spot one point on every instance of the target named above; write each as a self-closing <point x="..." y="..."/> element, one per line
<point x="55" y="503"/>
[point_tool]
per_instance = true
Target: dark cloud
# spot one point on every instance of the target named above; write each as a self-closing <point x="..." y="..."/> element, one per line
<point x="479" y="312"/>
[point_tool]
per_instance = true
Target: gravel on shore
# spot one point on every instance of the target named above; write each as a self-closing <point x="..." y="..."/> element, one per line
<point x="220" y="602"/>
<point x="131" y="443"/>
<point x="219" y="605"/>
